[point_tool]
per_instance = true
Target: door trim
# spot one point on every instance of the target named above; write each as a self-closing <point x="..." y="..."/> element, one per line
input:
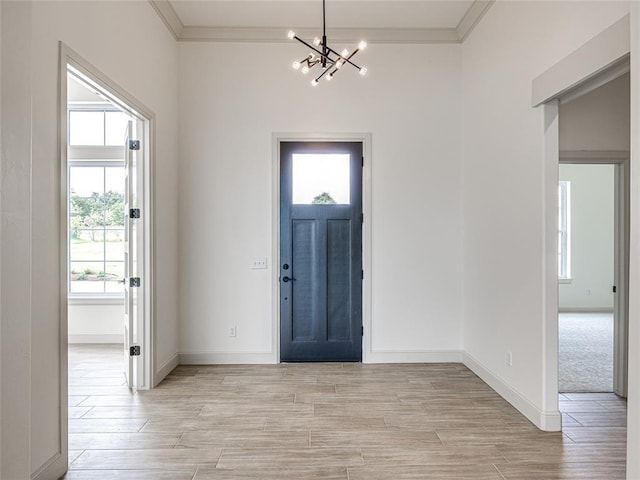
<point x="365" y="139"/>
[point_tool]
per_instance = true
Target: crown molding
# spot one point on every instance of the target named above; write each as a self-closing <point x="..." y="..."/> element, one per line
<point x="191" y="33"/>
<point x="279" y="35"/>
<point x="476" y="11"/>
<point x="168" y="15"/>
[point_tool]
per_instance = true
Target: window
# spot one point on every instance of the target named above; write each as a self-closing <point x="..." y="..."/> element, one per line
<point x="97" y="127"/>
<point x="321" y="179"/>
<point x="564" y="230"/>
<point x="96" y="201"/>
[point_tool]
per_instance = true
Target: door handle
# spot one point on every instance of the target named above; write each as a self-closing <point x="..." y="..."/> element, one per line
<point x="287" y="279"/>
<point x="123" y="281"/>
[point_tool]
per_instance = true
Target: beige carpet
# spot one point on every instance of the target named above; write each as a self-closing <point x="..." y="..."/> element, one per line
<point x="586" y="352"/>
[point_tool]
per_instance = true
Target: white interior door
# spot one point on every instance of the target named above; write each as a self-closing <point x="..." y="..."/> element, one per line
<point x="133" y="256"/>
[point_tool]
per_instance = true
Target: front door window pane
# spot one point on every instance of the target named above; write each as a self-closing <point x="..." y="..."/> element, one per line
<point x="321" y="179"/>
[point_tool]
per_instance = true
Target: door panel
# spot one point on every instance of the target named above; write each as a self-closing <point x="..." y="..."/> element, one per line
<point x="338" y="279"/>
<point x="129" y="257"/>
<point x="133" y="255"/>
<point x="321" y="251"/>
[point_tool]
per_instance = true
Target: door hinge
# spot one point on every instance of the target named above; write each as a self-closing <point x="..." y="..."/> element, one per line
<point x="361" y="274"/>
<point x="134" y="213"/>
<point x="362" y="331"/>
<point x="134" y="282"/>
<point x="362" y="218"/>
<point x="134" y="144"/>
<point x="134" y="350"/>
<point x="615" y="289"/>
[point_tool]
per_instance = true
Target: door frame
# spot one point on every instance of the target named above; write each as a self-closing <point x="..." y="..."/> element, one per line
<point x="365" y="139"/>
<point x="621" y="162"/>
<point x="70" y="59"/>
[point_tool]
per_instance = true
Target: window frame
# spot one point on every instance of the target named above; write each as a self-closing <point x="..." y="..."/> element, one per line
<point x="99" y="156"/>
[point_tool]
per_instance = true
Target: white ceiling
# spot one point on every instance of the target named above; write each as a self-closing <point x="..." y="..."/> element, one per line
<point x="308" y="13"/>
<point x="388" y="21"/>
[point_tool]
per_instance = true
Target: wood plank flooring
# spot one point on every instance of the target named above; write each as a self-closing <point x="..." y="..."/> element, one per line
<point x="326" y="421"/>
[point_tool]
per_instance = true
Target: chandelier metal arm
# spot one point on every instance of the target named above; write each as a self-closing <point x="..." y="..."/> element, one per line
<point x="322" y="55"/>
<point x="329" y="65"/>
<point x="346" y="59"/>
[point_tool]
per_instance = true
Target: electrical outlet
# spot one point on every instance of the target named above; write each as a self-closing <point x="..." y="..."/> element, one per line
<point x="259" y="264"/>
<point x="232" y="331"/>
<point x="509" y="359"/>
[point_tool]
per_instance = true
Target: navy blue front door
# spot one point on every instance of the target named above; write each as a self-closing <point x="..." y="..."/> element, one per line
<point x="320" y="251"/>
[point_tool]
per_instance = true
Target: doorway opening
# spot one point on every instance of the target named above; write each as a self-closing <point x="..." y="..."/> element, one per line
<point x="593" y="241"/>
<point x="106" y="227"/>
<point x="320" y="256"/>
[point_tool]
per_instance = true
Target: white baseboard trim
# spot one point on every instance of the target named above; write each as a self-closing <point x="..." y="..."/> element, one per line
<point x="547" y="421"/>
<point x="438" y="356"/>
<point x="97" y="338"/>
<point x="585" y="310"/>
<point x="165" y="369"/>
<point x="220" y="358"/>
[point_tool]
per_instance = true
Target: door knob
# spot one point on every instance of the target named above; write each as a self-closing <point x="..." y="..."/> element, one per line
<point x="287" y="279"/>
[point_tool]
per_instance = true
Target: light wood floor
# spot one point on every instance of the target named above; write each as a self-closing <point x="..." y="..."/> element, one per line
<point x="326" y="421"/>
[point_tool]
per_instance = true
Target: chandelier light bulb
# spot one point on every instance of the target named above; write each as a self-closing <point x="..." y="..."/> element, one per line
<point x="296" y="65"/>
<point x="291" y="35"/>
<point x="316" y="41"/>
<point x="305" y="69"/>
<point x="339" y="63"/>
<point x="329" y="77"/>
<point x="314" y="82"/>
<point x="362" y="45"/>
<point x="363" y="71"/>
<point x="345" y="53"/>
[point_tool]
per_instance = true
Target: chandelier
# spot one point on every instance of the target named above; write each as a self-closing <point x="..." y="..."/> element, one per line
<point x="330" y="60"/>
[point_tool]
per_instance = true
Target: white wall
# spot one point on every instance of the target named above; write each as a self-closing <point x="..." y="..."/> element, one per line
<point x="16" y="241"/>
<point x="503" y="194"/>
<point x="232" y="98"/>
<point x="598" y="120"/>
<point x="95" y="321"/>
<point x="592" y="237"/>
<point x="142" y="59"/>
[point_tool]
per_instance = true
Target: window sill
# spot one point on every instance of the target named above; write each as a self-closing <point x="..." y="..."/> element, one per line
<point x="95" y="299"/>
<point x="565" y="281"/>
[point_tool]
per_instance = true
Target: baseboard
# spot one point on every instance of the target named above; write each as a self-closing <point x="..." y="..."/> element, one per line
<point x="547" y="421"/>
<point x="438" y="356"/>
<point x="96" y="338"/>
<point x="165" y="369"/>
<point x="220" y="358"/>
<point x="585" y="310"/>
